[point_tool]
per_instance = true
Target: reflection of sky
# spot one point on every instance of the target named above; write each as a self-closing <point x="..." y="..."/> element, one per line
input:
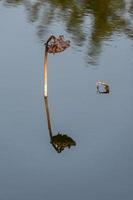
<point x="100" y="166"/>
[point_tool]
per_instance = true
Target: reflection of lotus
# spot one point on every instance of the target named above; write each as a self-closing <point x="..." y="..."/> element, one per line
<point x="61" y="141"/>
<point x="53" y="45"/>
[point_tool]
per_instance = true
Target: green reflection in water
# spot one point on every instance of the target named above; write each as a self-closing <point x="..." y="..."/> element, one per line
<point x="61" y="140"/>
<point x="105" y="17"/>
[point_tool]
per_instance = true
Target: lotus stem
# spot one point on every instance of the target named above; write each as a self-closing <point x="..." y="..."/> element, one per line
<point x="48" y="117"/>
<point x="46" y="73"/>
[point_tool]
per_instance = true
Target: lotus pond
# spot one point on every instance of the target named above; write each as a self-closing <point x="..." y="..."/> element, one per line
<point x="97" y="127"/>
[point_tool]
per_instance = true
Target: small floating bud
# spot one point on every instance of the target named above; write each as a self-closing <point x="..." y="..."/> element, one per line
<point x="102" y="87"/>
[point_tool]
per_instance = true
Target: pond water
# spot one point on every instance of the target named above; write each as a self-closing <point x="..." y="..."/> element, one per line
<point x="100" y="166"/>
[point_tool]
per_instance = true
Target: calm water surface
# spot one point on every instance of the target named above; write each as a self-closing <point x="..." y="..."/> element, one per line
<point x="100" y="166"/>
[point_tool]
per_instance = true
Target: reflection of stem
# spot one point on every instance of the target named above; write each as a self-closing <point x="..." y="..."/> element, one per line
<point x="48" y="117"/>
<point x="46" y="73"/>
<point x="49" y="123"/>
<point x="59" y="141"/>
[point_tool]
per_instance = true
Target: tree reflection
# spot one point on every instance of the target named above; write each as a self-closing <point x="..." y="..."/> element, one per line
<point x="107" y="18"/>
<point x="59" y="141"/>
<point x="13" y="2"/>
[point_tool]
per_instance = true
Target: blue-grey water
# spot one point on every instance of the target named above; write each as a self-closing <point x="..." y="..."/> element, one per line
<point x="100" y="166"/>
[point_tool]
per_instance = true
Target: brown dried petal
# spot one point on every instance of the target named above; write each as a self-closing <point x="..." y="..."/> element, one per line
<point x="57" y="45"/>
